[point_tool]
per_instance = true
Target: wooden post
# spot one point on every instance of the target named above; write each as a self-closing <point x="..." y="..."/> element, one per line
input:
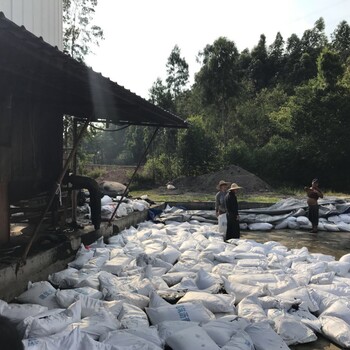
<point x="5" y="166"/>
<point x="74" y="192"/>
<point x="4" y="214"/>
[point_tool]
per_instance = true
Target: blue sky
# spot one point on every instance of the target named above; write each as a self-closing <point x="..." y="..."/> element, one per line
<point x="140" y="34"/>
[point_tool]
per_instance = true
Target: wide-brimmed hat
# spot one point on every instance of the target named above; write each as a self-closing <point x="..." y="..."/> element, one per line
<point x="222" y="182"/>
<point x="234" y="186"/>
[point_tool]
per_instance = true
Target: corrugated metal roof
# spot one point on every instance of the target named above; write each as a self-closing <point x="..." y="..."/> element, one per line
<point x="30" y="67"/>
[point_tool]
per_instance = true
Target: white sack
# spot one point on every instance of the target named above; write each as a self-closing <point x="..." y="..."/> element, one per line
<point x="221" y="331"/>
<point x="99" y="323"/>
<point x="194" y="338"/>
<point x="59" y="278"/>
<point x="128" y="341"/>
<point x="89" y="306"/>
<point x="345" y="258"/>
<point x="82" y="257"/>
<point x="307" y="318"/>
<point x="303" y="294"/>
<point x="240" y="291"/>
<point x="18" y="312"/>
<point x="282" y="225"/>
<point x="222" y="223"/>
<point x="264" y="226"/>
<point x="323" y="278"/>
<point x="289" y="329"/>
<point x="156" y="301"/>
<point x="303" y="220"/>
<point x="172" y="278"/>
<point x="213" y="302"/>
<point x="182" y="312"/>
<point x="138" y="300"/>
<point x="331" y="227"/>
<point x="341" y="268"/>
<point x="265" y="338"/>
<point x="40" y="326"/>
<point x="146" y="334"/>
<point x="116" y="265"/>
<point x="62" y="340"/>
<point x="240" y="341"/>
<point x="132" y="316"/>
<point x="42" y="293"/>
<point x="340" y="309"/>
<point x="337" y="330"/>
<point x="67" y="297"/>
<point x="168" y="328"/>
<point x="169" y="255"/>
<point x="251" y="309"/>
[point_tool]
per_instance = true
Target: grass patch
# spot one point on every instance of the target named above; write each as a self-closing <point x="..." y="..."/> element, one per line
<point x="264" y="197"/>
<point x="173" y="197"/>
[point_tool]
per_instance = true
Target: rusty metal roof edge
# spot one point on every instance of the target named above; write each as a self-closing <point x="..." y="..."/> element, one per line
<point x="177" y="120"/>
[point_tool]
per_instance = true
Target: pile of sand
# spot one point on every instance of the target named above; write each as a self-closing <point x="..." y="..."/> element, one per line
<point x="208" y="182"/>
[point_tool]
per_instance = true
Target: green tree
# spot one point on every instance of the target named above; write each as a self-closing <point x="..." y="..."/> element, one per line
<point x="79" y="32"/>
<point x="218" y="81"/>
<point x="197" y="149"/>
<point x="341" y="40"/>
<point x="177" y="72"/>
<point x="276" y="58"/>
<point x="330" y="68"/>
<point x="259" y="68"/>
<point x="160" y="95"/>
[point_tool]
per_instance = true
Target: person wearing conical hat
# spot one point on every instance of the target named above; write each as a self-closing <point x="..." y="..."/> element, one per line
<point x="233" y="229"/>
<point x="220" y="206"/>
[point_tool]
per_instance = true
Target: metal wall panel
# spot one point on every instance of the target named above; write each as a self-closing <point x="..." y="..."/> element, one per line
<point x="41" y="17"/>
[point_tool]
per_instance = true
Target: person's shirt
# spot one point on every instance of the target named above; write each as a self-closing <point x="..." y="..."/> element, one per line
<point x="314" y="193"/>
<point x="231" y="203"/>
<point x="220" y="204"/>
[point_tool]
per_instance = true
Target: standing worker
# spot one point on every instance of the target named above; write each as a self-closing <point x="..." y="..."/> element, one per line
<point x="220" y="205"/>
<point x="233" y="230"/>
<point x="313" y="194"/>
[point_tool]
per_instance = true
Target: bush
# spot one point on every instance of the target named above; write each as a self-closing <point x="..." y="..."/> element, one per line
<point x="96" y="173"/>
<point x="162" y="168"/>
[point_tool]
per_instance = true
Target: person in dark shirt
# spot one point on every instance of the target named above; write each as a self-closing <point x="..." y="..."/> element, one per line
<point x="233" y="230"/>
<point x="313" y="194"/>
<point x="10" y="339"/>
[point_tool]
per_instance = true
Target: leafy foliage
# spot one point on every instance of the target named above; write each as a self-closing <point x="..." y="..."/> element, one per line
<point x="280" y="110"/>
<point x="79" y="32"/>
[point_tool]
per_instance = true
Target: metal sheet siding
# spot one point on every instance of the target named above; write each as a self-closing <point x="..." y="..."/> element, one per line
<point x="41" y="17"/>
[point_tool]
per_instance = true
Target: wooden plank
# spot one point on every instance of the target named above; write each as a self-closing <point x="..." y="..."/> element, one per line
<point x="4" y="214"/>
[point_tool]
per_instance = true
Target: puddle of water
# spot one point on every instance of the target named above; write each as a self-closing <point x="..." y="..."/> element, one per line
<point x="331" y="243"/>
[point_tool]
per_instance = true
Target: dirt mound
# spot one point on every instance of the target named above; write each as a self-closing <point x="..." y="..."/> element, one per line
<point x="233" y="173"/>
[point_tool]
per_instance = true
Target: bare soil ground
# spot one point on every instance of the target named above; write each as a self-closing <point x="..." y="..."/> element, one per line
<point x="205" y="183"/>
<point x="208" y="182"/>
<point x="117" y="173"/>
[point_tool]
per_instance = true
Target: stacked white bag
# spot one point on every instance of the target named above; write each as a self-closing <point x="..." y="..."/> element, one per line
<point x="180" y="285"/>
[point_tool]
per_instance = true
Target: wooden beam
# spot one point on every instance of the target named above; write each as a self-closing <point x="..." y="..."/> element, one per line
<point x="4" y="214"/>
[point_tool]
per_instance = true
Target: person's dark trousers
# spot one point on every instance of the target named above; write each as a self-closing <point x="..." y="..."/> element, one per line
<point x="233" y="230"/>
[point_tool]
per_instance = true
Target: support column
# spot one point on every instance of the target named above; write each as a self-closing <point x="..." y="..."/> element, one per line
<point x="4" y="214"/>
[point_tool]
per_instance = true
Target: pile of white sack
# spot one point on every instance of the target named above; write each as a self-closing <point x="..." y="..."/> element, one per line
<point x="108" y="205"/>
<point x="295" y="219"/>
<point x="179" y="286"/>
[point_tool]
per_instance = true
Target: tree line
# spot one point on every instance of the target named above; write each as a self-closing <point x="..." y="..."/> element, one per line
<point x="281" y="111"/>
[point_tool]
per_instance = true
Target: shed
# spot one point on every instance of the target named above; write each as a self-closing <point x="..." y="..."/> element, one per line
<point x="38" y="86"/>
